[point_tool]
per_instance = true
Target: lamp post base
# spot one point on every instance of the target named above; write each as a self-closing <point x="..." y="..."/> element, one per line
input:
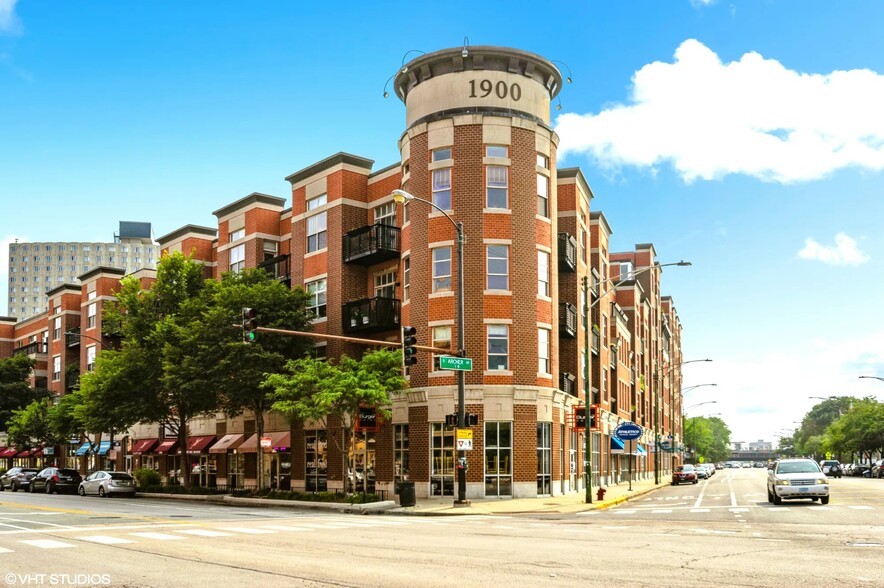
<point x="461" y="503"/>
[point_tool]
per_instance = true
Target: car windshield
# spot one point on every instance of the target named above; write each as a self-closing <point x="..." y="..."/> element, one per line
<point x="685" y="468"/>
<point x="800" y="467"/>
<point x="69" y="472"/>
<point x="120" y="476"/>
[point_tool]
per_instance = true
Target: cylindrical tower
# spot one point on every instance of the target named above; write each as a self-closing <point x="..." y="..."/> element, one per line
<point x="479" y="145"/>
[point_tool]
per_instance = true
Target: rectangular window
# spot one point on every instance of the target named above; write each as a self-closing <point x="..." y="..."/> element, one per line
<point x="543" y="195"/>
<point x="406" y="277"/>
<point x="442" y="154"/>
<point x="316" y="456"/>
<point x="235" y="235"/>
<point x="442" y="188"/>
<point x="238" y="258"/>
<point x="56" y="368"/>
<point x="385" y="285"/>
<point x="544" y="459"/>
<point x="498" y="459"/>
<point x="400" y="452"/>
<point x="498" y="347"/>
<point x="496" y="151"/>
<point x="90" y="316"/>
<point x="442" y="269"/>
<point x="497" y="267"/>
<point x="316" y="232"/>
<point x="441" y="339"/>
<point x="56" y="329"/>
<point x="543" y="364"/>
<point x="385" y="214"/>
<point x="271" y="250"/>
<point x="316" y="304"/>
<point x="90" y="358"/>
<point x="496" y="186"/>
<point x="627" y="271"/>
<point x="542" y="161"/>
<point x="583" y="245"/>
<point x="543" y="273"/>
<point x="443" y="455"/>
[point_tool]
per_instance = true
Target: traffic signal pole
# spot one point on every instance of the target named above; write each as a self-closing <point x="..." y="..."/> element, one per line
<point x="350" y="339"/>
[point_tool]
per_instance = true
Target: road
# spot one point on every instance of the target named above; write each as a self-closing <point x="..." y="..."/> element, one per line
<point x="719" y="532"/>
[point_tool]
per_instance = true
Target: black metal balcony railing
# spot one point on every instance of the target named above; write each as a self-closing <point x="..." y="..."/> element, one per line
<point x="567" y="320"/>
<point x="278" y="267"/>
<point x="72" y="337"/>
<point x="35" y="348"/>
<point x="371" y="315"/>
<point x="567" y="253"/>
<point x="371" y="244"/>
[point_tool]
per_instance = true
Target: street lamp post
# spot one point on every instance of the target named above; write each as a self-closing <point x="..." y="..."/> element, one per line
<point x="401" y="196"/>
<point x="879" y="378"/>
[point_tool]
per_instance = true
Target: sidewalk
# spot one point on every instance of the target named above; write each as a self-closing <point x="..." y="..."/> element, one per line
<point x="570" y="503"/>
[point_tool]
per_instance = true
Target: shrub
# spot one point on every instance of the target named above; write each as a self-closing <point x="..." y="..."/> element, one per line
<point x="146" y="477"/>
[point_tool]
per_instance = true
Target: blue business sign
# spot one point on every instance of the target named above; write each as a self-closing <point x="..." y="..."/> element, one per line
<point x="628" y="431"/>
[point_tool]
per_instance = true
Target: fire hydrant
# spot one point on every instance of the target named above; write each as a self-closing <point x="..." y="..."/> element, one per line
<point x="600" y="495"/>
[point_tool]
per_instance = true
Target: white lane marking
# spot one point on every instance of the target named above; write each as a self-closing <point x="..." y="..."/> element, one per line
<point x="105" y="539"/>
<point x="4" y="550"/>
<point x="34" y="522"/>
<point x="860" y="507"/>
<point x="205" y="533"/>
<point x="46" y="543"/>
<point x="700" y="496"/>
<point x="247" y="530"/>
<point x="772" y="540"/>
<point x="623" y="512"/>
<point x="739" y="510"/>
<point x="158" y="536"/>
<point x="284" y="528"/>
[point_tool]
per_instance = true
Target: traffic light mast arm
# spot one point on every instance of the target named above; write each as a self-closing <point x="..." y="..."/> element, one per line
<point x="350" y="339"/>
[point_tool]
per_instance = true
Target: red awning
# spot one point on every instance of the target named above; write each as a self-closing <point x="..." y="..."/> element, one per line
<point x="25" y="453"/>
<point x="278" y="440"/>
<point x="166" y="446"/>
<point x="9" y="452"/>
<point x="198" y="443"/>
<point x="143" y="446"/>
<point x="226" y="442"/>
<point x="39" y="453"/>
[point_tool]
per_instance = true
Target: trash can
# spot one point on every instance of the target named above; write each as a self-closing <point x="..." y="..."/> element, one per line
<point x="406" y="493"/>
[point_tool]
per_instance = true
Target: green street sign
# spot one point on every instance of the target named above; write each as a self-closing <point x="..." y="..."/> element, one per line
<point x="464" y="364"/>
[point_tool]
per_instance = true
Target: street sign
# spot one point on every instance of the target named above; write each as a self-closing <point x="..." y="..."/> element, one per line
<point x="464" y="364"/>
<point x="628" y="431"/>
<point x="464" y="439"/>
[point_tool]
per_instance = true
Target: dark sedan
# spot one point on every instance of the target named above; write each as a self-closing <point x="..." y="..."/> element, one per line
<point x="17" y="478"/>
<point x="56" y="480"/>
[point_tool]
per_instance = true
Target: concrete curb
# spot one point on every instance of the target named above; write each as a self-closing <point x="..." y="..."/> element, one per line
<point x="228" y="500"/>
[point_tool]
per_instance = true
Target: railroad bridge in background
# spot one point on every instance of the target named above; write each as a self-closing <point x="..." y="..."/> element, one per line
<point x="752" y="456"/>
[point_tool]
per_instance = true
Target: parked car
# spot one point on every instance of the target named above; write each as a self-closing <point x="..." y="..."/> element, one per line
<point x="792" y="479"/>
<point x="105" y="483"/>
<point x="877" y="470"/>
<point x="861" y="470"/>
<point x="702" y="473"/>
<point x="684" y="473"/>
<point x="17" y="478"/>
<point x="831" y="467"/>
<point x="56" y="480"/>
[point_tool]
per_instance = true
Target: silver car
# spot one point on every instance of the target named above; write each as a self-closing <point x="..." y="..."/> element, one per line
<point x="105" y="483"/>
<point x="790" y="479"/>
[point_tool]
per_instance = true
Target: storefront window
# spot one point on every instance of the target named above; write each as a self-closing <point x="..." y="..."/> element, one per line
<point x="316" y="454"/>
<point x="362" y="458"/>
<point x="498" y="459"/>
<point x="544" y="458"/>
<point x="400" y="452"/>
<point x="442" y="454"/>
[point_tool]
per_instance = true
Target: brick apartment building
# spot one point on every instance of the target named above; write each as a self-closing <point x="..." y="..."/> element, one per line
<point x="553" y="319"/>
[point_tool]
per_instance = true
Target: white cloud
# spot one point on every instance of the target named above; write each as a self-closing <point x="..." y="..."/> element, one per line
<point x="700" y="3"/>
<point x="752" y="116"/>
<point x="843" y="252"/>
<point x="9" y="23"/>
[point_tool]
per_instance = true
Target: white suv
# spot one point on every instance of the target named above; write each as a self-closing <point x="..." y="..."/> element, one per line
<point x="791" y="479"/>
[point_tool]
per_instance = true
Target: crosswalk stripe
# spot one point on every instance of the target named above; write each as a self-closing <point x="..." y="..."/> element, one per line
<point x="205" y="533"/>
<point x="284" y="528"/>
<point x="159" y="536"/>
<point x="4" y="550"/>
<point x="247" y="530"/>
<point x="46" y="543"/>
<point x="106" y="539"/>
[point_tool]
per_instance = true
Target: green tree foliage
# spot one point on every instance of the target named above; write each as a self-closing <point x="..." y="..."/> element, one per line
<point x="30" y="426"/>
<point x="312" y="390"/>
<point x="816" y="421"/>
<point x="236" y="370"/>
<point x="860" y="429"/>
<point x="15" y="393"/>
<point x="708" y="437"/>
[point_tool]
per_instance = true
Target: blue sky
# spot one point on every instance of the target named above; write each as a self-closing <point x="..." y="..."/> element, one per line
<point x="746" y="137"/>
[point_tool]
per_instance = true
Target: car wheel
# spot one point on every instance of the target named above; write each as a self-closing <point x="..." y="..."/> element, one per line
<point x="81" y="491"/>
<point x="48" y="488"/>
<point x="813" y="498"/>
<point x="31" y="487"/>
<point x="824" y="500"/>
<point x="101" y="492"/>
<point x="769" y="495"/>
<point x="777" y="499"/>
<point x="13" y="487"/>
<point x="695" y="481"/>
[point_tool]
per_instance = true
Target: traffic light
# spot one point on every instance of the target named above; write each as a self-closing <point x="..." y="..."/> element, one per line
<point x="249" y="325"/>
<point x="409" y="351"/>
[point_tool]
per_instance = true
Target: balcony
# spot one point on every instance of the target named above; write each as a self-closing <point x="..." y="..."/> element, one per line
<point x="567" y="320"/>
<point x="72" y="337"/>
<point x="32" y="349"/>
<point x="371" y="244"/>
<point x="567" y="253"/>
<point x="567" y="383"/>
<point x="594" y="341"/>
<point x="370" y="315"/>
<point x="278" y="267"/>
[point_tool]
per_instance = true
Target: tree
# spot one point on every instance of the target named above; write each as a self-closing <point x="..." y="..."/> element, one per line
<point x="708" y="437"/>
<point x="818" y="419"/>
<point x="313" y="390"/>
<point x="236" y="370"/>
<point x="30" y="426"/>
<point x="860" y="429"/>
<point x="15" y="393"/>
<point x="156" y="325"/>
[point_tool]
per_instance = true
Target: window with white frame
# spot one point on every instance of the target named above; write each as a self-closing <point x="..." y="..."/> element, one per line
<point x="235" y="235"/>
<point x="385" y="214"/>
<point x="442" y="188"/>
<point x="543" y="273"/>
<point x="583" y="245"/>
<point x="543" y="195"/>
<point x="496" y="151"/>
<point x="316" y="304"/>
<point x="90" y="358"/>
<point x="56" y="368"/>
<point x="317" y="225"/>
<point x="400" y="452"/>
<point x="497" y="267"/>
<point x="543" y="364"/>
<point x="496" y="186"/>
<point x="406" y="277"/>
<point x="237" y="258"/>
<point x="91" y="311"/>
<point x="56" y="328"/>
<point x="442" y="154"/>
<point x="441" y="339"/>
<point x="498" y="347"/>
<point x="442" y="269"/>
<point x="385" y="285"/>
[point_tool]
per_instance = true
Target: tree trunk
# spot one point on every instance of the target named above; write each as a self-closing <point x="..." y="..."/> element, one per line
<point x="259" y="429"/>
<point x="183" y="462"/>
